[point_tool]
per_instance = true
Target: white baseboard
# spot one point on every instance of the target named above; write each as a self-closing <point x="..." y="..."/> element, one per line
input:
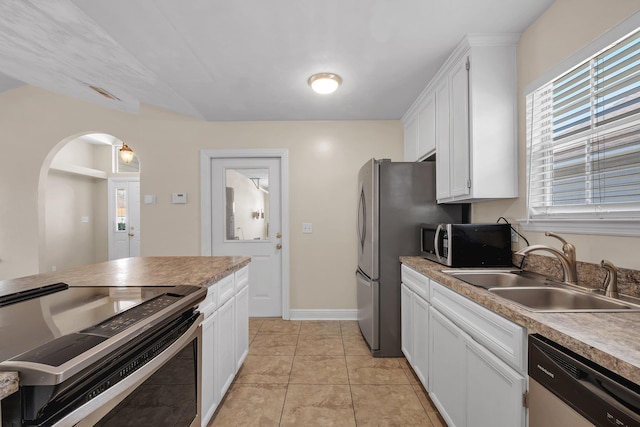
<point x="323" y="314"/>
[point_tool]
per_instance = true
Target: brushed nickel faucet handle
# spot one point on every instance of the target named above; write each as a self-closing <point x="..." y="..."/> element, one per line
<point x="611" y="281"/>
<point x="568" y="249"/>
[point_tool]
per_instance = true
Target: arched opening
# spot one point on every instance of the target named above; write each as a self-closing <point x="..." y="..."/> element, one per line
<point x="74" y="206"/>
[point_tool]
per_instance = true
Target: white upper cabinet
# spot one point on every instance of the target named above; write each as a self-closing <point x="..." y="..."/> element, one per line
<point x="470" y="118"/>
<point x="411" y="140"/>
<point x="420" y="131"/>
<point x="427" y="127"/>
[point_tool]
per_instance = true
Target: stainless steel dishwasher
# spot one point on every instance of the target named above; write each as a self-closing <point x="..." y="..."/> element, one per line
<point x="566" y="389"/>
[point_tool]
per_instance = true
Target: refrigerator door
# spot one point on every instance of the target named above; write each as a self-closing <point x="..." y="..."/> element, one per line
<point x="368" y="309"/>
<point x="367" y="220"/>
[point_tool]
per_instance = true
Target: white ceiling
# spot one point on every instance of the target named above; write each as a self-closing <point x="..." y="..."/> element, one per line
<point x="245" y="59"/>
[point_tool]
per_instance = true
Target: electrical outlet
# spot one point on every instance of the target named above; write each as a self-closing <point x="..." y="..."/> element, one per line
<point x="307" y="228"/>
<point x="514" y="235"/>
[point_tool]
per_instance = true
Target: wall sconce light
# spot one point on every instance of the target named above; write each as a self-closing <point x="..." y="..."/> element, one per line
<point x="126" y="153"/>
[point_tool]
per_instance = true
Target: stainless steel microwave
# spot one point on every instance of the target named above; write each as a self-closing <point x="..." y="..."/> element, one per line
<point x="467" y="245"/>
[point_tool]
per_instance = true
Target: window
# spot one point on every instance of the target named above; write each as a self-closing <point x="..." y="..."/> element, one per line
<point x="583" y="139"/>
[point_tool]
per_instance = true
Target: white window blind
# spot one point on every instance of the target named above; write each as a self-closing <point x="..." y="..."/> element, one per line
<point x="583" y="139"/>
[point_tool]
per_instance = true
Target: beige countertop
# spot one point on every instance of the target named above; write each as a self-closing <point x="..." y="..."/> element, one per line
<point x="140" y="271"/>
<point x="609" y="339"/>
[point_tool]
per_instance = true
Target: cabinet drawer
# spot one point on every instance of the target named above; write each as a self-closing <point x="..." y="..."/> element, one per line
<point x="415" y="281"/>
<point x="503" y="337"/>
<point x="242" y="278"/>
<point x="225" y="289"/>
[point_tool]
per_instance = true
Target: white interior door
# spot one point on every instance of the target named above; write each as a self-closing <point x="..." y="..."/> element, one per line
<point x="124" y="218"/>
<point x="246" y="203"/>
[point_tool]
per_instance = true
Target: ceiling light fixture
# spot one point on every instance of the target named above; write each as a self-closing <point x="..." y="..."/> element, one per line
<point x="126" y="153"/>
<point x="324" y="83"/>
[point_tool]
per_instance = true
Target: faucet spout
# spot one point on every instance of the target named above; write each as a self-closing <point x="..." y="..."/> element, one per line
<point x="568" y="263"/>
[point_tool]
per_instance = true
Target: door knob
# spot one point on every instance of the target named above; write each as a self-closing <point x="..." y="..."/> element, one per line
<point x="278" y="235"/>
<point x="130" y="234"/>
<point x="278" y="246"/>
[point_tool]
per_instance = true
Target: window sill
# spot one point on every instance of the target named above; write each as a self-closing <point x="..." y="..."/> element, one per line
<point x="628" y="228"/>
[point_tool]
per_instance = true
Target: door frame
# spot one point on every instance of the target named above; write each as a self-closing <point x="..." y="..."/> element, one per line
<point x="206" y="156"/>
<point x="111" y="183"/>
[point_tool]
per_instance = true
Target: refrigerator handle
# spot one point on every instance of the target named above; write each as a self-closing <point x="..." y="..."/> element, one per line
<point x="436" y="241"/>
<point x="362" y="230"/>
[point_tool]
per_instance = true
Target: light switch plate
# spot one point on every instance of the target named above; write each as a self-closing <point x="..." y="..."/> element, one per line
<point x="307" y="228"/>
<point x="177" y="198"/>
<point x="149" y="199"/>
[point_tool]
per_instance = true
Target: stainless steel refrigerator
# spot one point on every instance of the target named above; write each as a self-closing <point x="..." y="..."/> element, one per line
<point x="394" y="198"/>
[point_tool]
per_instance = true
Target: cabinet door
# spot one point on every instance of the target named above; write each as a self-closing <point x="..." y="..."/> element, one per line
<point x="225" y="346"/>
<point x="460" y="142"/>
<point x="494" y="390"/>
<point x="411" y="139"/>
<point x="406" y="323"/>
<point x="420" y="312"/>
<point x="427" y="127"/>
<point x="443" y="166"/>
<point x="209" y="398"/>
<point x="242" y="326"/>
<point x="447" y="374"/>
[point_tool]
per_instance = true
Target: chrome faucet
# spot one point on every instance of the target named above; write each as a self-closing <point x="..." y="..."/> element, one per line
<point x="611" y="281"/>
<point x="567" y="257"/>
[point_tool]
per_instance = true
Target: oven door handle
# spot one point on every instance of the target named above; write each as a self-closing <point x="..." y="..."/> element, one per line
<point x="90" y="413"/>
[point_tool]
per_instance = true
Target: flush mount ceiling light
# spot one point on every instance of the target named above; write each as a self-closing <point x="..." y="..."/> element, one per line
<point x="324" y="83"/>
<point x="126" y="153"/>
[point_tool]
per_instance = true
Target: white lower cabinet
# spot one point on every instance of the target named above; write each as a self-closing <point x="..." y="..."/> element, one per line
<point x="494" y="390"/>
<point x="210" y="397"/>
<point x="225" y="346"/>
<point x="242" y="326"/>
<point x="225" y="338"/>
<point x="406" y="323"/>
<point x="471" y="360"/>
<point x="420" y="313"/>
<point x="415" y="322"/>
<point x="447" y="379"/>
<point x="470" y="386"/>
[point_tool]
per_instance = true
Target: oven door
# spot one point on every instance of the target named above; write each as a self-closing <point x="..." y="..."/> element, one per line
<point x="165" y="391"/>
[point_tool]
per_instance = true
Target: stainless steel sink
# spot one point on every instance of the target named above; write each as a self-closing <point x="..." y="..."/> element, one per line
<point x="552" y="299"/>
<point x="489" y="279"/>
<point x="536" y="292"/>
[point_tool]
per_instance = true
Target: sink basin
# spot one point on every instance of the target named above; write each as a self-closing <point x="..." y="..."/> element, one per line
<point x="552" y="299"/>
<point x="536" y="292"/>
<point x="489" y="279"/>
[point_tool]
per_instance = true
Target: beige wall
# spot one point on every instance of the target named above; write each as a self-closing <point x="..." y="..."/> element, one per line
<point x="69" y="242"/>
<point x="324" y="159"/>
<point x="566" y="27"/>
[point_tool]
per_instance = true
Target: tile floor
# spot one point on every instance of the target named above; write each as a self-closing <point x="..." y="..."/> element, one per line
<point x="321" y="373"/>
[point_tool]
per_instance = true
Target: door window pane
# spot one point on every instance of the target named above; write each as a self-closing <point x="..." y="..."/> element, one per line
<point x="247" y="204"/>
<point x="121" y="210"/>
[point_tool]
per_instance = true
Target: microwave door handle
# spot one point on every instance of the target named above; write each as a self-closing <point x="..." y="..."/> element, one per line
<point x="436" y="241"/>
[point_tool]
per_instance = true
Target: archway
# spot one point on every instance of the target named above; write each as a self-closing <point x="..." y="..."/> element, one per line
<point x="73" y="201"/>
